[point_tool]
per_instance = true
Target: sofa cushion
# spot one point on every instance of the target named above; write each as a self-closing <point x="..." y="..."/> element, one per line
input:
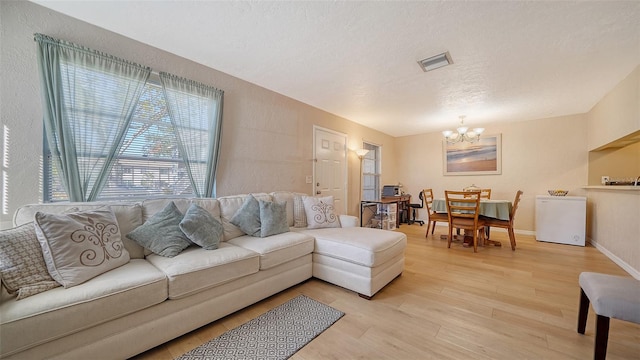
<point x="247" y="218"/>
<point x="320" y="212"/>
<point x="161" y="232"/>
<point x="299" y="214"/>
<point x="22" y="266"/>
<point x="116" y="293"/>
<point x="288" y="197"/>
<point x="364" y="246"/>
<point x="196" y="269"/>
<point x="201" y="227"/>
<point x="81" y="245"/>
<point x="273" y="218"/>
<point x="229" y="205"/>
<point x="277" y="249"/>
<point x="152" y="206"/>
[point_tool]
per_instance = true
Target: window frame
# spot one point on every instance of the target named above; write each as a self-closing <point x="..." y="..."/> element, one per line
<point x="374" y="155"/>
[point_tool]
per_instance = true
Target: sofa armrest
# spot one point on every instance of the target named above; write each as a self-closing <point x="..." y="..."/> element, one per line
<point x="349" y="221"/>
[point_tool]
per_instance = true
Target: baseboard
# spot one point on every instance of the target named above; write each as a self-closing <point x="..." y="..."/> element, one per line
<point x="626" y="267"/>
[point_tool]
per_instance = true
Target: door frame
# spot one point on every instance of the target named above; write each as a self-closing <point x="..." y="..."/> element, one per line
<point x="317" y="128"/>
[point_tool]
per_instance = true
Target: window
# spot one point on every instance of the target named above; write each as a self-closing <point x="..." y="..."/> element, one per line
<point x="149" y="162"/>
<point x="371" y="172"/>
<point x="114" y="134"/>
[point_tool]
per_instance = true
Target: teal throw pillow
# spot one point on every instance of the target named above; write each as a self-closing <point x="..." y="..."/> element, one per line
<point x="161" y="232"/>
<point x="247" y="218"/>
<point x="273" y="218"/>
<point x="201" y="227"/>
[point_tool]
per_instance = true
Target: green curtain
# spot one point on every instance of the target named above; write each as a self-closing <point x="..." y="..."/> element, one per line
<point x="195" y="110"/>
<point x="88" y="100"/>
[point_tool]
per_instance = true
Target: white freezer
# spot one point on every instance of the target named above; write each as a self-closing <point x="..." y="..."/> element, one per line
<point x="561" y="219"/>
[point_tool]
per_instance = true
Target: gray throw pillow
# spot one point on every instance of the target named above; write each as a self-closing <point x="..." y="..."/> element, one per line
<point x="161" y="232"/>
<point x="247" y="218"/>
<point x="273" y="218"/>
<point x="201" y="227"/>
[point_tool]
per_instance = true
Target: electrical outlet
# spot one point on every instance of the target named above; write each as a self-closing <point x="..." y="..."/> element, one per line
<point x="604" y="180"/>
<point x="309" y="179"/>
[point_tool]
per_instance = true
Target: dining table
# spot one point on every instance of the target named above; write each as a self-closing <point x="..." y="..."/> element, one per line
<point x="492" y="208"/>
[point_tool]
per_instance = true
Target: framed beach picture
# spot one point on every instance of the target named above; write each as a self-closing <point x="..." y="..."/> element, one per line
<point x="480" y="158"/>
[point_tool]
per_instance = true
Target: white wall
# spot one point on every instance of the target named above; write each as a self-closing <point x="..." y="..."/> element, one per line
<point x="267" y="137"/>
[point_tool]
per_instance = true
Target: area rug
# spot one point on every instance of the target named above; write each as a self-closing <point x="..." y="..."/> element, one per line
<point x="276" y="334"/>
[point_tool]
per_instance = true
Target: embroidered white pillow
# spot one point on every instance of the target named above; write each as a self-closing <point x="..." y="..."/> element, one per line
<point x="81" y="245"/>
<point x="320" y="212"/>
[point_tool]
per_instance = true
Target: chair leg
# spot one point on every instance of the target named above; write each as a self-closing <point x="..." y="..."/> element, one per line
<point x="450" y="236"/>
<point x="487" y="232"/>
<point x="512" y="238"/>
<point x="475" y="241"/>
<point x="426" y="234"/>
<point x="602" y="337"/>
<point x="583" y="311"/>
<point x="433" y="227"/>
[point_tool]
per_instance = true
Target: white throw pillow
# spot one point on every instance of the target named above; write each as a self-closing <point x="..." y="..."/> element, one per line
<point x="320" y="212"/>
<point x="299" y="215"/>
<point x="81" y="245"/>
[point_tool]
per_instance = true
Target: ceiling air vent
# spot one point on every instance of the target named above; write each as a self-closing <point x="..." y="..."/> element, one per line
<point x="435" y="62"/>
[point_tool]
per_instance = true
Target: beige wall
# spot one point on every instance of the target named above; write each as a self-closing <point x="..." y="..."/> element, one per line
<point x="267" y="137"/>
<point x="615" y="227"/>
<point x="617" y="114"/>
<point x="537" y="155"/>
<point x="620" y="163"/>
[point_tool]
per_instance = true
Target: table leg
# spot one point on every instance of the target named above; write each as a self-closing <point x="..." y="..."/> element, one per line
<point x="468" y="240"/>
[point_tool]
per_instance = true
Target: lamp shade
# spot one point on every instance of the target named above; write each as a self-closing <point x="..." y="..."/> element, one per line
<point x="361" y="152"/>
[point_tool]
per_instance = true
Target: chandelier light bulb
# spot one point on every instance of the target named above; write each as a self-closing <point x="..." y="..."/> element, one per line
<point x="463" y="134"/>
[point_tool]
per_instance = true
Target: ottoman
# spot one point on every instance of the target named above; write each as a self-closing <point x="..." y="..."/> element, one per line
<point x="611" y="297"/>
<point x="363" y="260"/>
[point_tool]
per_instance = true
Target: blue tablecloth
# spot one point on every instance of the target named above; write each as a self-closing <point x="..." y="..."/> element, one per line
<point x="498" y="209"/>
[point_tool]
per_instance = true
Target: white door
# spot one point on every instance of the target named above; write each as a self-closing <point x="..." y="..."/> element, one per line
<point x="330" y="173"/>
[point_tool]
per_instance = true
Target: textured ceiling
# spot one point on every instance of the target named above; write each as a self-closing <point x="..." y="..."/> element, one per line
<point x="513" y="60"/>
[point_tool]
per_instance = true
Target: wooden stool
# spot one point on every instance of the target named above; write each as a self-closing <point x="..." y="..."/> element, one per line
<point x="612" y="297"/>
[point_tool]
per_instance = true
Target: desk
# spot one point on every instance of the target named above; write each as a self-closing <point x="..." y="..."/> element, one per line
<point x="497" y="209"/>
<point x="403" y="202"/>
<point x="387" y="208"/>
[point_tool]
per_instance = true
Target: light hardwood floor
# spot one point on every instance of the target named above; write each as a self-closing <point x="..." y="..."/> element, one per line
<point x="454" y="304"/>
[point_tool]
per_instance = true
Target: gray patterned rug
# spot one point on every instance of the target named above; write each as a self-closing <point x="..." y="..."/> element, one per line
<point x="276" y="334"/>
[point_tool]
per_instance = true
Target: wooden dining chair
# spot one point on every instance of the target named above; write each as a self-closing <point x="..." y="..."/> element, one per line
<point x="506" y="224"/>
<point x="463" y="210"/>
<point x="427" y="195"/>
<point x="485" y="193"/>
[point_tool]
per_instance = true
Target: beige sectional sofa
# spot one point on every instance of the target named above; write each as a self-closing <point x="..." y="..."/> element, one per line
<point x="153" y="299"/>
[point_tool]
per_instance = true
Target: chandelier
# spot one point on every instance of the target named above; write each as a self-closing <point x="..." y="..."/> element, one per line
<point x="462" y="134"/>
